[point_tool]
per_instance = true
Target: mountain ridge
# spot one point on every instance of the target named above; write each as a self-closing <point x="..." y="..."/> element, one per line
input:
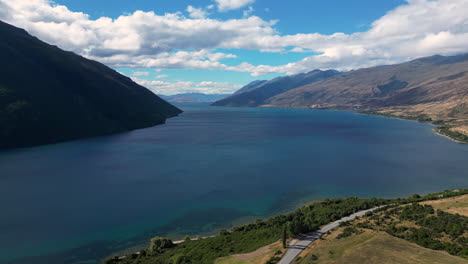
<point x="256" y="93"/>
<point x="193" y="97"/>
<point x="49" y="95"/>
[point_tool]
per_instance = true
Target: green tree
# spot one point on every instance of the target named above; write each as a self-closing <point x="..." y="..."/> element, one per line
<point x="159" y="243"/>
<point x="224" y="232"/>
<point x="285" y="235"/>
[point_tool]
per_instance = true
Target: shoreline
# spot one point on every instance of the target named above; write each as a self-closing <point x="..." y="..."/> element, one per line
<point x="294" y="251"/>
<point x="436" y="128"/>
<point x="437" y="132"/>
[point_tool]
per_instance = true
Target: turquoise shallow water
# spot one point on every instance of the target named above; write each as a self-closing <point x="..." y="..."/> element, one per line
<point x="211" y="167"/>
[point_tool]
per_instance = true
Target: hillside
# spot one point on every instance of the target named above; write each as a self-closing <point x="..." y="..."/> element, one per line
<point x="250" y="86"/>
<point x="431" y="89"/>
<point x="415" y="233"/>
<point x="193" y="97"/>
<point x="258" y="92"/>
<point x="438" y="83"/>
<point x="49" y="95"/>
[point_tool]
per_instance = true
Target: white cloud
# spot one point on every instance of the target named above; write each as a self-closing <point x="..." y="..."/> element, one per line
<point x="141" y="39"/>
<point x="248" y="11"/>
<point x="202" y="60"/>
<point x="418" y="28"/>
<point x="148" y="40"/>
<point x="226" y="5"/>
<point x="161" y="76"/>
<point x="169" y="88"/>
<point x="140" y="73"/>
<point x="196" y="12"/>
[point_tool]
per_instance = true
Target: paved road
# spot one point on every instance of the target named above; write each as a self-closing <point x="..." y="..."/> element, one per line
<point x="295" y="249"/>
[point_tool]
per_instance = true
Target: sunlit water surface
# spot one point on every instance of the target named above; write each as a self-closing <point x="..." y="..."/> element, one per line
<point x="210" y="168"/>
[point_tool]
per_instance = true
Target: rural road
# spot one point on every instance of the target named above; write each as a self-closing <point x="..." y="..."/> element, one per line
<point x="294" y="249"/>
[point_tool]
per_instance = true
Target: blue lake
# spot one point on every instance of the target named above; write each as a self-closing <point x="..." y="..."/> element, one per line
<point x="210" y="168"/>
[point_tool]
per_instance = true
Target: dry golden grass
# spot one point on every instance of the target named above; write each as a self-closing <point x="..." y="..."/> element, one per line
<point x="373" y="247"/>
<point x="259" y="256"/>
<point x="462" y="129"/>
<point x="453" y="205"/>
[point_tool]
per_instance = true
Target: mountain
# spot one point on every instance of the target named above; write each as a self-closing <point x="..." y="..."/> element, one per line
<point x="435" y="79"/>
<point x="193" y="97"/>
<point x="427" y="89"/>
<point x="49" y="95"/>
<point x="258" y="92"/>
<point x="251" y="85"/>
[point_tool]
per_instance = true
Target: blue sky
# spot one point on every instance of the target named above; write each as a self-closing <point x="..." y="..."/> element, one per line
<point x="216" y="46"/>
<point x="295" y="16"/>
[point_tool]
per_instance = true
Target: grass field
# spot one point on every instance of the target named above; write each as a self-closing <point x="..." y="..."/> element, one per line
<point x="372" y="247"/>
<point x="259" y="256"/>
<point x="453" y="205"/>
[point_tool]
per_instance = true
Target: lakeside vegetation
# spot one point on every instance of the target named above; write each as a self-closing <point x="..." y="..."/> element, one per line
<point x="429" y="228"/>
<point x="423" y="118"/>
<point x="249" y="237"/>
<point x="434" y="231"/>
<point x="443" y="128"/>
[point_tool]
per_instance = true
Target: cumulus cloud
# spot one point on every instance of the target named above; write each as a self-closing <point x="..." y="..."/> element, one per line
<point x="169" y="88"/>
<point x="225" y="5"/>
<point x="418" y="28"/>
<point x="196" y="12"/>
<point x="140" y="39"/>
<point x="201" y="60"/>
<point x="145" y="39"/>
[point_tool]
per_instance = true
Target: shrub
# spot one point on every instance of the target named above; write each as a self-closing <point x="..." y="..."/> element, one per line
<point x="160" y="243"/>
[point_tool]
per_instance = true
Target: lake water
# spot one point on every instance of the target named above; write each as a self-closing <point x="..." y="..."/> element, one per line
<point x="210" y="168"/>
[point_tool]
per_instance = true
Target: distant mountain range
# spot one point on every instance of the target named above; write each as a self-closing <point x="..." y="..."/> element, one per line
<point x="257" y="93"/>
<point x="193" y="97"/>
<point x="427" y="89"/>
<point x="49" y="95"/>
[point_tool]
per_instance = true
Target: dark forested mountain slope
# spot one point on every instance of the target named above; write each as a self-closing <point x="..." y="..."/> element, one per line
<point x="49" y="95"/>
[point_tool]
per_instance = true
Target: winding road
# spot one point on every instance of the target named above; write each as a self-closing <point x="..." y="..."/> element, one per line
<point x="295" y="247"/>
